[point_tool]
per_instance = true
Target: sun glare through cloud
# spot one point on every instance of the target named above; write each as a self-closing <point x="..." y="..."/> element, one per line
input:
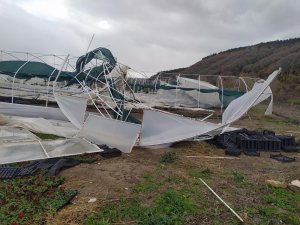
<point x="105" y="25"/>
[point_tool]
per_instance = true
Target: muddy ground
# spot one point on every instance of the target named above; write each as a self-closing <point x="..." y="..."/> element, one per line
<point x="107" y="180"/>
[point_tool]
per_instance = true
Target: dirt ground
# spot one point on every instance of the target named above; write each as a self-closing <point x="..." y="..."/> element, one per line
<point x="107" y="179"/>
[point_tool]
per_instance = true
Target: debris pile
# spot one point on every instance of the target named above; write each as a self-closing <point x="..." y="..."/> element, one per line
<point x="252" y="142"/>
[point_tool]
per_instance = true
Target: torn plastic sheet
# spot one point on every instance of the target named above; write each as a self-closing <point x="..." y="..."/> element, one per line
<point x="31" y="111"/>
<point x="114" y="133"/>
<point x="14" y="134"/>
<point x="265" y="95"/>
<point x="73" y="107"/>
<point x="238" y="107"/>
<point x="160" y="127"/>
<point x="40" y="125"/>
<point x="180" y="98"/>
<point x="34" y="149"/>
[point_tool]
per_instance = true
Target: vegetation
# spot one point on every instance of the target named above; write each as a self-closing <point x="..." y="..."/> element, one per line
<point x="206" y="173"/>
<point x="168" y="157"/>
<point x="257" y="60"/>
<point x="170" y="207"/>
<point x="260" y="59"/>
<point x="149" y="183"/>
<point x="30" y="200"/>
<point x="167" y="196"/>
<point x="238" y="177"/>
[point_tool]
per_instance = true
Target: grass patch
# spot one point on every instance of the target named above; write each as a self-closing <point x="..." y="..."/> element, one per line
<point x="293" y="101"/>
<point x="121" y="210"/>
<point x="170" y="207"/>
<point x="173" y="202"/>
<point x="149" y="183"/>
<point x="93" y="220"/>
<point x="238" y="177"/>
<point x="278" y="121"/>
<point x="273" y="215"/>
<point x="168" y="157"/>
<point x="282" y="205"/>
<point x="283" y="199"/>
<point x="206" y="173"/>
<point x="47" y="136"/>
<point x="29" y="200"/>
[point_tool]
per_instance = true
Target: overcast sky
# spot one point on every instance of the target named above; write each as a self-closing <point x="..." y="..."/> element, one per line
<point x="147" y="35"/>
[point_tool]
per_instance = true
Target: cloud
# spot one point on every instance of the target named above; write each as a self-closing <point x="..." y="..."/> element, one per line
<point x="147" y="35"/>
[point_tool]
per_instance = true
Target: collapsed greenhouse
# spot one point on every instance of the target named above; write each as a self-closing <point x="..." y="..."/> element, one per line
<point x="90" y="101"/>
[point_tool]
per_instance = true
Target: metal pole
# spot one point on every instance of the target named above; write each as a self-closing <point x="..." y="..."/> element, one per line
<point x="63" y="65"/>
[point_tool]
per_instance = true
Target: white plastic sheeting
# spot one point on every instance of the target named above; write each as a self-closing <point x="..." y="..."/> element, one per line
<point x="206" y="100"/>
<point x="265" y="95"/>
<point x="114" y="133"/>
<point x="177" y="97"/>
<point x="34" y="149"/>
<point x="238" y="107"/>
<point x="192" y="83"/>
<point x="73" y="107"/>
<point x="67" y="147"/>
<point x="40" y="125"/>
<point x="14" y="134"/>
<point x="161" y="128"/>
<point x="31" y="111"/>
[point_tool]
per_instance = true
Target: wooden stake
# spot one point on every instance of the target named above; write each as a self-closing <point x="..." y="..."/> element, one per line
<point x="240" y="218"/>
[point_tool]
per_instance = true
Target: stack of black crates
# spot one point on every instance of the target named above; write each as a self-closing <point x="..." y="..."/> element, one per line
<point x="252" y="142"/>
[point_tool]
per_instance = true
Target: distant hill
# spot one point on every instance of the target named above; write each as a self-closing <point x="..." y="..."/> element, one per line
<point x="257" y="60"/>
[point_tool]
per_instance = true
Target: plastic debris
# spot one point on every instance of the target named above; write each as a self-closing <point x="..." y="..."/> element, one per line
<point x="251" y="142"/>
<point x="275" y="183"/>
<point x="295" y="186"/>
<point x="282" y="158"/>
<point x="53" y="166"/>
<point x="295" y="183"/>
<point x="92" y="200"/>
<point x="109" y="152"/>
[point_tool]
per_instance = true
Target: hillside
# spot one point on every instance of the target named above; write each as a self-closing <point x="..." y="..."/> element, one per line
<point x="258" y="60"/>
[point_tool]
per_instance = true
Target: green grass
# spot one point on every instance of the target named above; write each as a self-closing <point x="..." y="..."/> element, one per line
<point x="173" y="195"/>
<point x="168" y="157"/>
<point x="149" y="183"/>
<point x="294" y="101"/>
<point x="278" y="206"/>
<point x="278" y="121"/>
<point x="283" y="199"/>
<point x="93" y="220"/>
<point x="173" y="202"/>
<point x="125" y="209"/>
<point x="206" y="173"/>
<point x="170" y="207"/>
<point x="273" y="215"/>
<point x="238" y="177"/>
<point x="29" y="200"/>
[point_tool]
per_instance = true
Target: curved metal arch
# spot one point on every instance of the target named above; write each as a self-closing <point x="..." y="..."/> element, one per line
<point x="13" y="85"/>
